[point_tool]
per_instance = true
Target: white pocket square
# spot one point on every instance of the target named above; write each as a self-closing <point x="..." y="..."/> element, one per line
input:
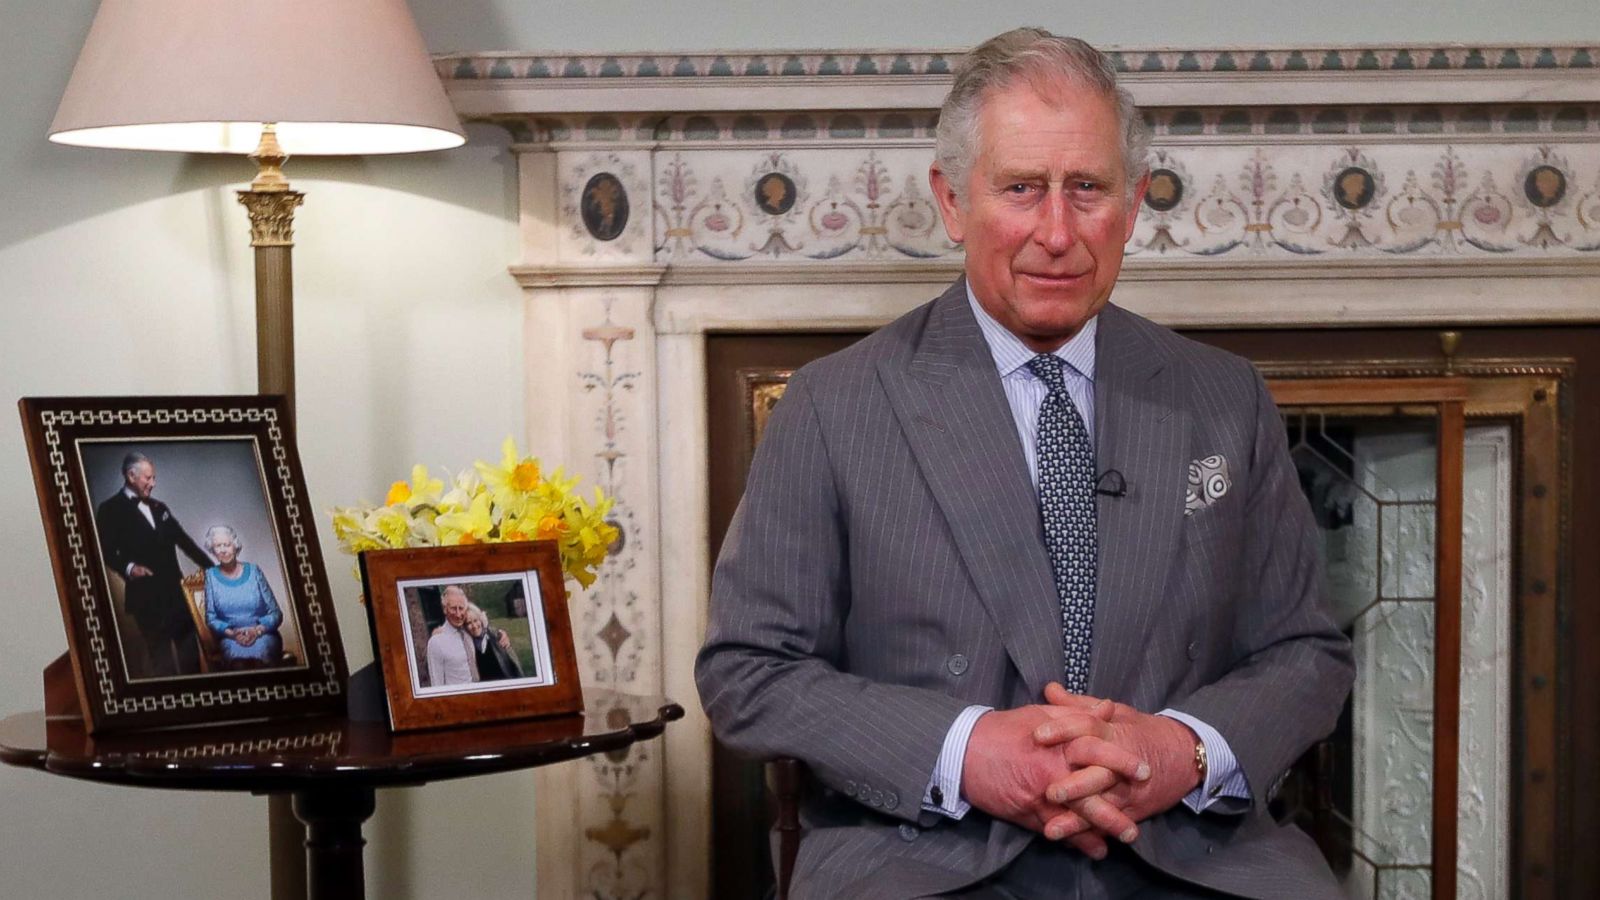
<point x="1208" y="483"/>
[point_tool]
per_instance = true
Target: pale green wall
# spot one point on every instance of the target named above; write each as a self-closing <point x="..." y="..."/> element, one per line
<point x="699" y="25"/>
<point x="130" y="273"/>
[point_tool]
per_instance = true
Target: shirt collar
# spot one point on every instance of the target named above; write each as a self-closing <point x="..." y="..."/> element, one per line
<point x="128" y="492"/>
<point x="1011" y="354"/>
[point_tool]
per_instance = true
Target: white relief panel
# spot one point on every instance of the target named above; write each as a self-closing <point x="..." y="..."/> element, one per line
<point x="1380" y="200"/>
<point x="1298" y="201"/>
<point x="1394" y="684"/>
<point x="796" y="205"/>
<point x="605" y="206"/>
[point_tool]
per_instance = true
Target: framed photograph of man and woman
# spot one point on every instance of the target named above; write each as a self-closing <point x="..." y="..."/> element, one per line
<point x="186" y="559"/>
<point x="471" y="634"/>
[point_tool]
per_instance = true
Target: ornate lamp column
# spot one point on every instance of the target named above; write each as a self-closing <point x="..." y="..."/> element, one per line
<point x="271" y="205"/>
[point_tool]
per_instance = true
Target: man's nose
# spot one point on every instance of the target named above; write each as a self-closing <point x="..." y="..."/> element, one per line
<point x="1054" y="229"/>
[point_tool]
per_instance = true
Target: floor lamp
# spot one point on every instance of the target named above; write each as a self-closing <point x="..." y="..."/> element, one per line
<point x="267" y="78"/>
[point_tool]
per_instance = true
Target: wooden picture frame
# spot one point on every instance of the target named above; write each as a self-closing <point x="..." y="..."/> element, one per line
<point x="437" y="672"/>
<point x="128" y="487"/>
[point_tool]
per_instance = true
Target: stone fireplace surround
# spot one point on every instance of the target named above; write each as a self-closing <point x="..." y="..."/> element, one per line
<point x="664" y="198"/>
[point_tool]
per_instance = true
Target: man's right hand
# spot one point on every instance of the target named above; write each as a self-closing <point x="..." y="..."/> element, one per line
<point x="138" y="571"/>
<point x="1006" y="773"/>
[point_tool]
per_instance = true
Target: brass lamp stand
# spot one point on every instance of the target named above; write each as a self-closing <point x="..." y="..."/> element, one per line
<point x="271" y="205"/>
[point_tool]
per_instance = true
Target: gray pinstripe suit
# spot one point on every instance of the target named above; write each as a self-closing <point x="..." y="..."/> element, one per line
<point x="886" y="568"/>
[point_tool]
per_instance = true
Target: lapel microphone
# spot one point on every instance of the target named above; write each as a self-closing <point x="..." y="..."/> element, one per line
<point x="1111" y="484"/>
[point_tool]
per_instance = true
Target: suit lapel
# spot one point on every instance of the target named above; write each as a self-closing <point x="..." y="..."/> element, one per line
<point x="132" y="505"/>
<point x="1141" y="433"/>
<point x="954" y="415"/>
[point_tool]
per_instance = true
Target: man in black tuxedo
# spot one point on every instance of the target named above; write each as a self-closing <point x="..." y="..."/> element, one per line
<point x="140" y="540"/>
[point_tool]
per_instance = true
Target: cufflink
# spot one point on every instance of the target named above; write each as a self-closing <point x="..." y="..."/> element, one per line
<point x="937" y="796"/>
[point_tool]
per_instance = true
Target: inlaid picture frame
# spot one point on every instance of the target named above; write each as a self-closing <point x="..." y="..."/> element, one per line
<point x="186" y="559"/>
<point x="469" y="634"/>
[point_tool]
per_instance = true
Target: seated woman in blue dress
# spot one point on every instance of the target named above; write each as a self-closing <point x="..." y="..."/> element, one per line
<point x="240" y="607"/>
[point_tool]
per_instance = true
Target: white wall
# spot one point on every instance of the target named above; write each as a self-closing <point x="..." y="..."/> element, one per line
<point x="130" y="273"/>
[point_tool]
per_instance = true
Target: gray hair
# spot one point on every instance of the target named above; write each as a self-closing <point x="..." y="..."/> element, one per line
<point x="232" y="537"/>
<point x="133" y="459"/>
<point x="1039" y="57"/>
<point x="474" y="611"/>
<point x="458" y="589"/>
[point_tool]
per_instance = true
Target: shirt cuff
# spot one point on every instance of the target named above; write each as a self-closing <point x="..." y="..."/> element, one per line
<point x="1224" y="778"/>
<point x="944" y="788"/>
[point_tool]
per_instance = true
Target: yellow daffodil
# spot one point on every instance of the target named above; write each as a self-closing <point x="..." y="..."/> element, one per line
<point x="468" y="526"/>
<point x="399" y="492"/>
<point x="512" y="500"/>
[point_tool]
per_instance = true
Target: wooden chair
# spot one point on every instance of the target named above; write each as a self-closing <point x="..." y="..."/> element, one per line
<point x="785" y="775"/>
<point x="194" y="589"/>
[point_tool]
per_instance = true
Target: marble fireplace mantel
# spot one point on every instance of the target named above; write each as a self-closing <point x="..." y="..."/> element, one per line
<point x="665" y="197"/>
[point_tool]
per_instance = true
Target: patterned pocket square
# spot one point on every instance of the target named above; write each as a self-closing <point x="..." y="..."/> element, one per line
<point x="1208" y="483"/>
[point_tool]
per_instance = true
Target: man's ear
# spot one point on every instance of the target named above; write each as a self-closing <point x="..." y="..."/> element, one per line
<point x="944" y="194"/>
<point x="1133" y="204"/>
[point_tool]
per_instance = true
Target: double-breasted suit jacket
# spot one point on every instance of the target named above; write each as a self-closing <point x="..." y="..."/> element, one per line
<point x="155" y="601"/>
<point x="886" y="568"/>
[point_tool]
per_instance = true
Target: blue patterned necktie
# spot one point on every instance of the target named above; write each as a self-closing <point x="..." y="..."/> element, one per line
<point x="1066" y="504"/>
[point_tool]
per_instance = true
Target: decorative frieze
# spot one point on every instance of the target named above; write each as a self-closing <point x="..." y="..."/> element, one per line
<point x="1174" y="125"/>
<point x="484" y="85"/>
<point x="1252" y="206"/>
<point x="899" y="63"/>
<point x="1498" y="201"/>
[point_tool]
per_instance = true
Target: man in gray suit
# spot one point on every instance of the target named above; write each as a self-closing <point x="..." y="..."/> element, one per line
<point x="1026" y="580"/>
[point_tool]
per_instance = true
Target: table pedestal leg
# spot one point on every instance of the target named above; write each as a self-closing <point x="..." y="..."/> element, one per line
<point x="333" y="817"/>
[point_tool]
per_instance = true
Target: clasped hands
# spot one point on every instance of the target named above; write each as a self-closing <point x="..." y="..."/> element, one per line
<point x="1078" y="769"/>
<point x="247" y="636"/>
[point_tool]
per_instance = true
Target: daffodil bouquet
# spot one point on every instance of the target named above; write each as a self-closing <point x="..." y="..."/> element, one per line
<point x="489" y="503"/>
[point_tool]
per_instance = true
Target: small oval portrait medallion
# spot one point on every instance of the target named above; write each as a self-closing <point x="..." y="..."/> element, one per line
<point x="605" y="207"/>
<point x="775" y="193"/>
<point x="1545" y="186"/>
<point x="1353" y="187"/>
<point x="1166" y="190"/>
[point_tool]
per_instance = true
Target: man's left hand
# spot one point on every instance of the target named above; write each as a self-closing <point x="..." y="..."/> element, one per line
<point x="1167" y="744"/>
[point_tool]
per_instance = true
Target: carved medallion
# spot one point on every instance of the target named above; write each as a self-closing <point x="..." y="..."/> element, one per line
<point x="605" y="207"/>
<point x="775" y="193"/>
<point x="1545" y="186"/>
<point x="1165" y="192"/>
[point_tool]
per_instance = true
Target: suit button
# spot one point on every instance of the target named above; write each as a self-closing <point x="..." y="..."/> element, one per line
<point x="957" y="664"/>
<point x="877" y="797"/>
<point x="891" y="800"/>
<point x="908" y="832"/>
<point x="1194" y="649"/>
<point x="849" y="788"/>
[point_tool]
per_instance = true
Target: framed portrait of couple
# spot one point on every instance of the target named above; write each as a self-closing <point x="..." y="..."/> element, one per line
<point x="186" y="559"/>
<point x="471" y="634"/>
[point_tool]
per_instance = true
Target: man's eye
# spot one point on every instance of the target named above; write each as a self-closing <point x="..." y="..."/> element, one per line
<point x="1018" y="188"/>
<point x="1087" y="186"/>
